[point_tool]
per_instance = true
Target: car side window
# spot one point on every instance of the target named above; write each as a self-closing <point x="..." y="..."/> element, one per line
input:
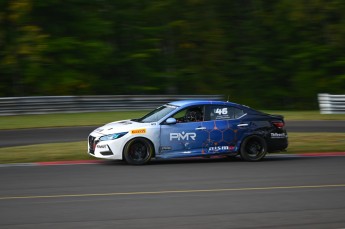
<point x="215" y="112"/>
<point x="190" y="114"/>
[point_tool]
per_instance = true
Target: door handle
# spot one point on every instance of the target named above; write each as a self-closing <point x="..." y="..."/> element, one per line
<point x="243" y="125"/>
<point x="201" y="128"/>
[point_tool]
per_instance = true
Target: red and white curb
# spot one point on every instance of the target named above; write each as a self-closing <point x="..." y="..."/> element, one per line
<point x="89" y="162"/>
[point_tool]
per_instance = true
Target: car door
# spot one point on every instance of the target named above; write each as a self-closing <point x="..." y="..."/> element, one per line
<point x="185" y="137"/>
<point x="225" y="127"/>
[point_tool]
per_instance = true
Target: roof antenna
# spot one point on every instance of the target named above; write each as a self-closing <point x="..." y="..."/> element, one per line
<point x="228" y="98"/>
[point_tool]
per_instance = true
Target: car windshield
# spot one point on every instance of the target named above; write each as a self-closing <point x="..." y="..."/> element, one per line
<point x="157" y="114"/>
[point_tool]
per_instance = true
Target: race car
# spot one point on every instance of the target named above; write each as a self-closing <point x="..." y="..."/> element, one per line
<point x="191" y="128"/>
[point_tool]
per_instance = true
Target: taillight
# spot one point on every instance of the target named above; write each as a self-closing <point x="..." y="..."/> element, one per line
<point x="278" y="124"/>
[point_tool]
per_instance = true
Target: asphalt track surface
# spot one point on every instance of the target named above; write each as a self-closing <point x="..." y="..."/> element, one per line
<point x="278" y="192"/>
<point x="21" y="137"/>
<point x="282" y="191"/>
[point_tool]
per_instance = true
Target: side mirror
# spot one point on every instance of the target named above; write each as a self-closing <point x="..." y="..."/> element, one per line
<point x="170" y="121"/>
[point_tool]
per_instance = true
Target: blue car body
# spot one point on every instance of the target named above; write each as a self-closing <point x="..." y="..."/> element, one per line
<point x="219" y="136"/>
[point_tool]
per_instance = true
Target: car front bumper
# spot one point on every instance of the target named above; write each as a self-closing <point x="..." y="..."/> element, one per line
<point x="104" y="149"/>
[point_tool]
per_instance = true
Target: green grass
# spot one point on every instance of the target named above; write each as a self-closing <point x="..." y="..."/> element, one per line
<point x="298" y="143"/>
<point x="45" y="152"/>
<point x="316" y="142"/>
<point x="307" y="115"/>
<point x="100" y="118"/>
<point x="60" y="120"/>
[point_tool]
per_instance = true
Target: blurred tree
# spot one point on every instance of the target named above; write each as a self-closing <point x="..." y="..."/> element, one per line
<point x="282" y="53"/>
<point x="78" y="48"/>
<point x="189" y="49"/>
<point x="136" y="49"/>
<point x="200" y="44"/>
<point x="21" y="45"/>
<point x="264" y="53"/>
<point x="307" y="42"/>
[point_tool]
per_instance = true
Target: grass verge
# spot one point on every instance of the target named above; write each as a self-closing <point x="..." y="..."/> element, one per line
<point x="299" y="143"/>
<point x="316" y="142"/>
<point x="60" y="120"/>
<point x="307" y="115"/>
<point x="100" y="118"/>
<point x="44" y="152"/>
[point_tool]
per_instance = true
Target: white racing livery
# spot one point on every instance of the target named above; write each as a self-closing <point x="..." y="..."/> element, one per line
<point x="108" y="141"/>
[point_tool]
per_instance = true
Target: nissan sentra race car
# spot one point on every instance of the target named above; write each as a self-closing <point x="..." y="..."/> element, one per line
<point x="191" y="128"/>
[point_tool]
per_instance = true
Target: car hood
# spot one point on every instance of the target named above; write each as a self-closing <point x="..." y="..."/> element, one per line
<point x="120" y="126"/>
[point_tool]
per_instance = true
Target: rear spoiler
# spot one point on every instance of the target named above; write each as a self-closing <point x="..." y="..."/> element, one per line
<point x="277" y="116"/>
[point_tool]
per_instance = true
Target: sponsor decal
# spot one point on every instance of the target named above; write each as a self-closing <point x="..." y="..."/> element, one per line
<point x="278" y="135"/>
<point x="187" y="152"/>
<point x="125" y="122"/>
<point x="99" y="130"/>
<point x="166" y="148"/>
<point x="221" y="111"/>
<point x="101" y="146"/>
<point x="138" y="131"/>
<point x="221" y="148"/>
<point x="182" y="136"/>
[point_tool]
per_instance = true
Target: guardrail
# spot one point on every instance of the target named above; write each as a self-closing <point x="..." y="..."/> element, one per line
<point x="97" y="103"/>
<point x="331" y="104"/>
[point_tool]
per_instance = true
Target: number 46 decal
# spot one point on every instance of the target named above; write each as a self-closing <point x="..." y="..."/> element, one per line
<point x="221" y="111"/>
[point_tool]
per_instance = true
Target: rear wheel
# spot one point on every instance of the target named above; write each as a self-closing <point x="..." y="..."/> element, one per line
<point x="138" y="151"/>
<point x="253" y="148"/>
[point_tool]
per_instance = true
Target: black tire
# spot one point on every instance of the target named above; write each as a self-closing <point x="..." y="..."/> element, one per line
<point x="253" y="148"/>
<point x="138" y="151"/>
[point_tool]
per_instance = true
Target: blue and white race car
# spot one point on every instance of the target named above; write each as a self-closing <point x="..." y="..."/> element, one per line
<point x="191" y="128"/>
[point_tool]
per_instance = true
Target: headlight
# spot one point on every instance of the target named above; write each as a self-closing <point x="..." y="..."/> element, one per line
<point x="112" y="136"/>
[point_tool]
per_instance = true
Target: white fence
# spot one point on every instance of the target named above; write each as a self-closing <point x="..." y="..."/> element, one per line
<point x="74" y="104"/>
<point x="331" y="104"/>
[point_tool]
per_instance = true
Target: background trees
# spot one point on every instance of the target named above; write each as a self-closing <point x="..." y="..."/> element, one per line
<point x="269" y="54"/>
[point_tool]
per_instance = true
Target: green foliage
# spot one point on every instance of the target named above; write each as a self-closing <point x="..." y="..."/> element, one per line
<point x="267" y="54"/>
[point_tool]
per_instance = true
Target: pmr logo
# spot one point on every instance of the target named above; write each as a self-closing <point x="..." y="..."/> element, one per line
<point x="182" y="136"/>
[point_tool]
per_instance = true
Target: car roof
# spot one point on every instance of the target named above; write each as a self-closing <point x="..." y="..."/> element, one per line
<point x="183" y="103"/>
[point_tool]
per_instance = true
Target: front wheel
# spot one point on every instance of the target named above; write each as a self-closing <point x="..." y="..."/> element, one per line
<point x="253" y="148"/>
<point x="138" y="151"/>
